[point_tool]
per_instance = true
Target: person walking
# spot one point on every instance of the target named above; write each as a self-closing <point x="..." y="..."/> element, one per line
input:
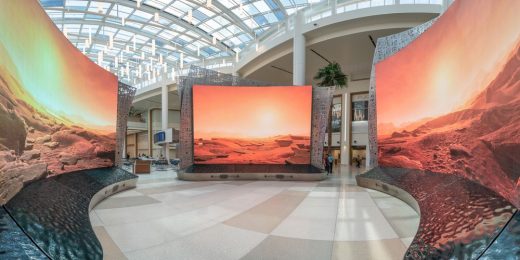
<point x="330" y="161"/>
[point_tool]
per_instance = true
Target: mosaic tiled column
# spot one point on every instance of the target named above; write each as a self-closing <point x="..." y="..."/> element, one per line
<point x="125" y="96"/>
<point x="321" y="100"/>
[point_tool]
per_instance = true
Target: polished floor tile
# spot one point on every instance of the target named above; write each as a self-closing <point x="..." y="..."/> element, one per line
<point x="390" y="249"/>
<point x="126" y="201"/>
<point x="110" y="249"/>
<point x="166" y="218"/>
<point x="218" y="242"/>
<point x="281" y="248"/>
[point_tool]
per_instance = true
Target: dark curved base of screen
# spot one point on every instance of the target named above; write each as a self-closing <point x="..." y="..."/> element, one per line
<point x="460" y="219"/>
<point x="278" y="172"/>
<point x="50" y="218"/>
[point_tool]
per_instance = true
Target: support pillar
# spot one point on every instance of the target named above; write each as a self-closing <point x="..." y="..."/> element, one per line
<point x="445" y="5"/>
<point x="345" y="129"/>
<point x="298" y="51"/>
<point x="164" y="118"/>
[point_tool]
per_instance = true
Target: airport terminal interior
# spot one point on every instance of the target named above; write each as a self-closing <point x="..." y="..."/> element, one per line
<point x="260" y="129"/>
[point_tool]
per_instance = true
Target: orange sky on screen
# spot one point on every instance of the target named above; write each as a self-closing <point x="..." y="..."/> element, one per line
<point x="251" y="112"/>
<point x="449" y="64"/>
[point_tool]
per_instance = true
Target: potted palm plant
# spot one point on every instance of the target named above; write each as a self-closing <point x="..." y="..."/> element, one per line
<point x="328" y="76"/>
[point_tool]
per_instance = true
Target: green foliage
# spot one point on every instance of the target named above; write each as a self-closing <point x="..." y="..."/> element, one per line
<point x="331" y="75"/>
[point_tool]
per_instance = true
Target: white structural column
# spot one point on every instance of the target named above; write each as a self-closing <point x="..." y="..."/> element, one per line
<point x="298" y="51"/>
<point x="164" y="118"/>
<point x="445" y="5"/>
<point x="345" y="128"/>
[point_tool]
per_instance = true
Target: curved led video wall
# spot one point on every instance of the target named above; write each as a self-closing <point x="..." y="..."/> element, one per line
<point x="449" y="102"/>
<point x="57" y="109"/>
<point x="252" y="125"/>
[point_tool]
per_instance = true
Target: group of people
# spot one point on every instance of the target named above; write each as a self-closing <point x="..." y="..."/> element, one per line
<point x="328" y="161"/>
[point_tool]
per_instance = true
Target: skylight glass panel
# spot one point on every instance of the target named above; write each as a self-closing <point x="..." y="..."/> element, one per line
<point x="193" y="35"/>
<point x="225" y="32"/>
<point x="221" y="20"/>
<point x="235" y="41"/>
<point x="167" y="34"/>
<point x="122" y="37"/>
<point x="262" y="6"/>
<point x="99" y="7"/>
<point x="287" y="3"/>
<point x="272" y="4"/>
<point x="156" y="4"/>
<point x="133" y="24"/>
<point x="218" y="36"/>
<point x="179" y="41"/>
<point x="250" y="9"/>
<point x="54" y="14"/>
<point x="143" y="15"/>
<point x="250" y="23"/>
<point x="93" y="17"/>
<point x="109" y="30"/>
<point x="191" y="47"/>
<point x="212" y="24"/>
<point x="245" y="37"/>
<point x="205" y="27"/>
<point x="185" y="38"/>
<point x="279" y="15"/>
<point x="271" y="18"/>
<point x="228" y="3"/>
<point x="151" y="29"/>
<point x="52" y="3"/>
<point x="141" y="39"/>
<point x="70" y="3"/>
<point x="199" y="15"/>
<point x="182" y="6"/>
<point x="260" y="20"/>
<point x="233" y="29"/>
<point x="190" y="59"/>
<point x="113" y="20"/>
<point x="205" y="11"/>
<point x="74" y="15"/>
<point x="241" y="13"/>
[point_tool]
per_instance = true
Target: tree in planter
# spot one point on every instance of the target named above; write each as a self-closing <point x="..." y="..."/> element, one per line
<point x="328" y="76"/>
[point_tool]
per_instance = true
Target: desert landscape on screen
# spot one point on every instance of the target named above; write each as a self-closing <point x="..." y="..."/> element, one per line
<point x="450" y="101"/>
<point x="57" y="109"/>
<point x="252" y="125"/>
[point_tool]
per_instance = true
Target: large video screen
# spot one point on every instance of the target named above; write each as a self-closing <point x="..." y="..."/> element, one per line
<point x="252" y="125"/>
<point x="449" y="102"/>
<point x="57" y="108"/>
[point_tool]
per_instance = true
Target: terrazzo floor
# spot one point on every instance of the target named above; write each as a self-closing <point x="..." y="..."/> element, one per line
<point x="166" y="218"/>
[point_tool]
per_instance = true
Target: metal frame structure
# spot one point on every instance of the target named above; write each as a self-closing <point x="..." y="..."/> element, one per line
<point x="155" y="36"/>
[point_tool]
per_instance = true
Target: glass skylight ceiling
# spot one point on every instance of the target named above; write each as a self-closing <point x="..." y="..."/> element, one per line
<point x="135" y="37"/>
